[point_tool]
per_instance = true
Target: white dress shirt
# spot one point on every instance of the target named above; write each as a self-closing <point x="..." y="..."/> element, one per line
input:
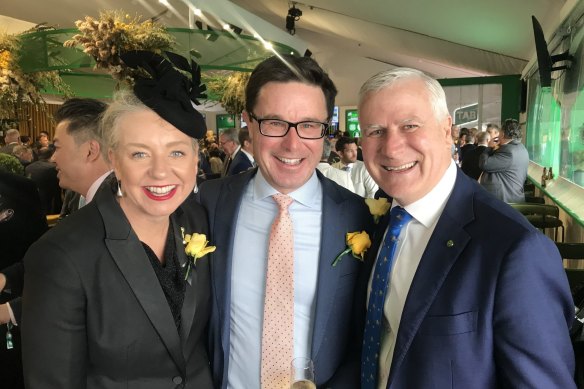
<point x="249" y="260"/>
<point x="410" y="248"/>
<point x="363" y="183"/>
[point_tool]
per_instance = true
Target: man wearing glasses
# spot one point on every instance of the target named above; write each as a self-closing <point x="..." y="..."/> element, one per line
<point x="289" y="103"/>
<point x="235" y="160"/>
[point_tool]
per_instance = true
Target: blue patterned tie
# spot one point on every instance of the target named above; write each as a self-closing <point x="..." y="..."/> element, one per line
<point x="379" y="285"/>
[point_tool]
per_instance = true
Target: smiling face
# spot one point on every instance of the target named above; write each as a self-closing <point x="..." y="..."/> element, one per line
<point x="406" y="149"/>
<point x="156" y="165"/>
<point x="287" y="162"/>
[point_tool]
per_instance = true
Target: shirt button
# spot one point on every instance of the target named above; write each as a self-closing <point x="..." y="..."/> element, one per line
<point x="177" y="380"/>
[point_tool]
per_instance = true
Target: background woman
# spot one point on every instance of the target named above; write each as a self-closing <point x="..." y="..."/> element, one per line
<point x="106" y="303"/>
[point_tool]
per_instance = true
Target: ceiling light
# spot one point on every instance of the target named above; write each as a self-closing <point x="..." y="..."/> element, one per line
<point x="198" y="12"/>
<point x="293" y="16"/>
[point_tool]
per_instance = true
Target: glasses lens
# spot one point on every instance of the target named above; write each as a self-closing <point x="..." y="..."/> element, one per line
<point x="272" y="127"/>
<point x="310" y="130"/>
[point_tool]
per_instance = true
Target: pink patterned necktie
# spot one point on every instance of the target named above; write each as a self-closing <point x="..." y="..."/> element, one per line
<point x="278" y="328"/>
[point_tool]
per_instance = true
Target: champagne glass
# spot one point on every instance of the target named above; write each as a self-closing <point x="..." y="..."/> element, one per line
<point x="302" y="374"/>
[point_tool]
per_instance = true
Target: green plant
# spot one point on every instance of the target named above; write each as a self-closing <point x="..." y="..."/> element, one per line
<point x="231" y="91"/>
<point x="16" y="85"/>
<point x="11" y="164"/>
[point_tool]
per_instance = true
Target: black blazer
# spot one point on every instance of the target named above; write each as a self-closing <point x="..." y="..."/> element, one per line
<point x="95" y="315"/>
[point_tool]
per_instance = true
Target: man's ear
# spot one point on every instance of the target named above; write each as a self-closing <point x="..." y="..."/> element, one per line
<point x="94" y="151"/>
<point x="247" y="121"/>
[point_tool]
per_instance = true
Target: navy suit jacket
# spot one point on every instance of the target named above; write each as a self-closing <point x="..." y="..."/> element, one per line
<point x="335" y="341"/>
<point x="239" y="164"/>
<point x="489" y="305"/>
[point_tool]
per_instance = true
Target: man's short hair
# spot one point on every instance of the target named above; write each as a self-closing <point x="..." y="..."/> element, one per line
<point x="243" y="135"/>
<point x="231" y="134"/>
<point x="345" y="140"/>
<point x="19" y="150"/>
<point x="511" y="129"/>
<point x="290" y="68"/>
<point x="492" y="125"/>
<point x="12" y="135"/>
<point x="387" y="78"/>
<point x="470" y="138"/>
<point x="45" y="153"/>
<point x="483" y="137"/>
<point x="83" y="117"/>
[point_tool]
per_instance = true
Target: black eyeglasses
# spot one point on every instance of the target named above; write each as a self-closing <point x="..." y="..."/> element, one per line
<point x="277" y="128"/>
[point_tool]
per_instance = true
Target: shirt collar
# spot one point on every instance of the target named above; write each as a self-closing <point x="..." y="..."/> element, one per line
<point x="428" y="209"/>
<point x="235" y="152"/>
<point x="95" y="186"/>
<point x="308" y="194"/>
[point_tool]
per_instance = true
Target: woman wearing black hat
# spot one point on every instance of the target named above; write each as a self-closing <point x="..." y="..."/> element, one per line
<point x="112" y="300"/>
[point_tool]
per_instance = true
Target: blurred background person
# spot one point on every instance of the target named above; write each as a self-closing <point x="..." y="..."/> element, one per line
<point x="22" y="222"/>
<point x="505" y="169"/>
<point x="470" y="164"/>
<point x="44" y="173"/>
<point x="235" y="160"/>
<point x="110" y="299"/>
<point x="363" y="184"/>
<point x="11" y="140"/>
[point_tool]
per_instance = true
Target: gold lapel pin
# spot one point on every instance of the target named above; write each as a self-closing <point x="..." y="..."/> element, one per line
<point x="450" y="243"/>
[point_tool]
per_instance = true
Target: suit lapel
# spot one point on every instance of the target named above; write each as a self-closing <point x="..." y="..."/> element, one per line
<point x="132" y="261"/>
<point x="444" y="248"/>
<point x="328" y="276"/>
<point x="189" y="306"/>
<point x="225" y="219"/>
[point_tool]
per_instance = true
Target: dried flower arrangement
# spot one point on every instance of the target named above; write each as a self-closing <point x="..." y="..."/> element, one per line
<point x="17" y="86"/>
<point x="231" y="90"/>
<point x="115" y="32"/>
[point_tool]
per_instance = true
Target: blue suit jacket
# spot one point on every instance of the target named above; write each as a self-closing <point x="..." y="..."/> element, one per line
<point x="239" y="164"/>
<point x="489" y="305"/>
<point x="334" y="337"/>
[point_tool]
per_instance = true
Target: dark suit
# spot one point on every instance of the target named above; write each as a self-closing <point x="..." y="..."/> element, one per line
<point x="22" y="222"/>
<point x="239" y="163"/>
<point x="464" y="150"/>
<point x="470" y="164"/>
<point x="95" y="315"/>
<point x="490" y="309"/>
<point x="342" y="212"/>
<point x="505" y="171"/>
<point x="44" y="174"/>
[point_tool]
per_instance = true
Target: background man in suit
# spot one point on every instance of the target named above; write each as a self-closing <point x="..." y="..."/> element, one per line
<point x="80" y="165"/>
<point x="460" y="311"/>
<point x="289" y="104"/>
<point x="235" y="160"/>
<point x="246" y="144"/>
<point x="505" y="169"/>
<point x="22" y="222"/>
<point x="470" y="164"/>
<point x="44" y="174"/>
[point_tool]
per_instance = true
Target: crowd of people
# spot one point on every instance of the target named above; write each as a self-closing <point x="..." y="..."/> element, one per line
<point x="189" y="262"/>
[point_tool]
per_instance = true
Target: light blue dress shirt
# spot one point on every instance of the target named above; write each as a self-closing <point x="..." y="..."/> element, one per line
<point x="249" y="259"/>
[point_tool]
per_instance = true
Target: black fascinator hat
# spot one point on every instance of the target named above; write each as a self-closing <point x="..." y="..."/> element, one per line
<point x="169" y="91"/>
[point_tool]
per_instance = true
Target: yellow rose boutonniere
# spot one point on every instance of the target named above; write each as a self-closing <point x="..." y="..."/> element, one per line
<point x="195" y="247"/>
<point x="378" y="207"/>
<point x="357" y="244"/>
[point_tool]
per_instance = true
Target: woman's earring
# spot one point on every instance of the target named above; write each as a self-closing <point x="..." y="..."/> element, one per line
<point x="119" y="192"/>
